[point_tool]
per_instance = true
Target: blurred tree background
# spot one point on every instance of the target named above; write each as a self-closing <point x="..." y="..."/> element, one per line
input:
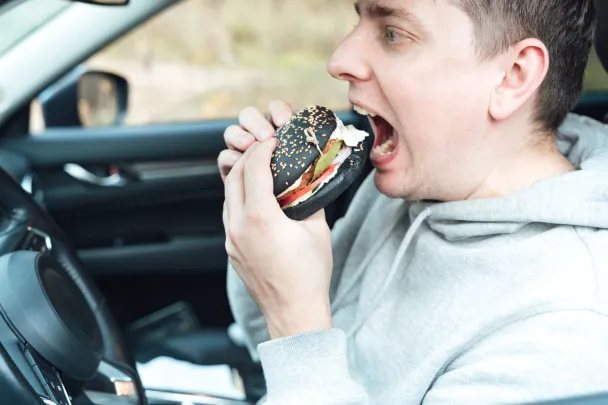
<point x="206" y="59"/>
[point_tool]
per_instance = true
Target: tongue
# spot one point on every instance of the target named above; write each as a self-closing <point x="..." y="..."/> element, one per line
<point x="384" y="131"/>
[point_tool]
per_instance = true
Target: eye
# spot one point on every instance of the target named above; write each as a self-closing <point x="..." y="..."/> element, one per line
<point x="394" y="37"/>
<point x="391" y="36"/>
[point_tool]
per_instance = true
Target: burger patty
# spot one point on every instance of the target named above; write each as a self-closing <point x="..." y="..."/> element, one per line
<point x="308" y="175"/>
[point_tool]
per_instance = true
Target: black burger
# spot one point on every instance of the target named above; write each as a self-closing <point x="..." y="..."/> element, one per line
<point x="316" y="159"/>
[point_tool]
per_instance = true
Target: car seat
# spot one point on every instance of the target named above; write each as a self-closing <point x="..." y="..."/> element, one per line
<point x="601" y="33"/>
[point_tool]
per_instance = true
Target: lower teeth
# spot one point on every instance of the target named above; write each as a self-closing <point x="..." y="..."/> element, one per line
<point x="385" y="149"/>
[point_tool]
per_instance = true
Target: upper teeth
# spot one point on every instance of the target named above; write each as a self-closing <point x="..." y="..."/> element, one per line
<point x="363" y="111"/>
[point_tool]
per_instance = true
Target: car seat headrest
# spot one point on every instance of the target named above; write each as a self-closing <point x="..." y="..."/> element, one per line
<point x="601" y="32"/>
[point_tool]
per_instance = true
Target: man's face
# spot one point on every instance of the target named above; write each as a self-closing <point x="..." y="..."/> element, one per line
<point x="414" y="64"/>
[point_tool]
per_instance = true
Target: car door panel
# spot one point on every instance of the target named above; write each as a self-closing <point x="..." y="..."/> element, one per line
<point x="180" y="196"/>
<point x="161" y="230"/>
<point x="141" y="143"/>
<point x="64" y="192"/>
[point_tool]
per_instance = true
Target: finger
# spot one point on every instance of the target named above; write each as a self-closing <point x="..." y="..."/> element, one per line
<point x="229" y="247"/>
<point x="237" y="138"/>
<point x="253" y="120"/>
<point x="316" y="222"/>
<point x="234" y="185"/>
<point x="258" y="177"/>
<point x="226" y="220"/>
<point x="225" y="213"/>
<point x="226" y="160"/>
<point x="280" y="112"/>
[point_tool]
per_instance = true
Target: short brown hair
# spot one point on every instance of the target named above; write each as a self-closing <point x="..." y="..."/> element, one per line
<point x="566" y="27"/>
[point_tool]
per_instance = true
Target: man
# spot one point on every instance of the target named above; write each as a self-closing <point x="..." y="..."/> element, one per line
<point x="472" y="266"/>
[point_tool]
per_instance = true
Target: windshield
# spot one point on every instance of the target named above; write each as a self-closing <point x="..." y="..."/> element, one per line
<point x="19" y="18"/>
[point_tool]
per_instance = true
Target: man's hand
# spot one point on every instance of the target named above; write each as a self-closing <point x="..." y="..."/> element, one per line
<point x="285" y="264"/>
<point x="253" y="126"/>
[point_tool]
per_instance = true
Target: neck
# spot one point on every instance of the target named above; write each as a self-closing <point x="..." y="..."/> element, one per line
<point x="528" y="165"/>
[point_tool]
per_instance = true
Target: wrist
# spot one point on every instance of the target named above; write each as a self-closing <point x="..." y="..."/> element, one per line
<point x="297" y="320"/>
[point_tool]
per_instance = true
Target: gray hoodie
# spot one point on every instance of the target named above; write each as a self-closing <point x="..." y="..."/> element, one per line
<point x="489" y="301"/>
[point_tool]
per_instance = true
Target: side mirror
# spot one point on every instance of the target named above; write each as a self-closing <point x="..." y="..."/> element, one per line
<point x="86" y="98"/>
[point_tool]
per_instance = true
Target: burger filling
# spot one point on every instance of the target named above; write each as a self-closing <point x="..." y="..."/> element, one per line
<point x="325" y="167"/>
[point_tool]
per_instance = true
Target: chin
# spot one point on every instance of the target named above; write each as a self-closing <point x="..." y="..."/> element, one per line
<point x="394" y="184"/>
<point x="389" y="184"/>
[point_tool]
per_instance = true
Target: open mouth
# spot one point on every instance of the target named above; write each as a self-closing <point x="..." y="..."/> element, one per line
<point x="385" y="142"/>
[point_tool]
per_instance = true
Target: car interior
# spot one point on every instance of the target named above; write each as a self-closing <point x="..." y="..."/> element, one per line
<point x="112" y="246"/>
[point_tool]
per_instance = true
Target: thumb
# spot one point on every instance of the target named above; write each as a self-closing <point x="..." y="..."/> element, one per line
<point x="317" y="216"/>
<point x="317" y="219"/>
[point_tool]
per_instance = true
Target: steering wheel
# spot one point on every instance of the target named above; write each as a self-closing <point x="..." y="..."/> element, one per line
<point x="56" y="332"/>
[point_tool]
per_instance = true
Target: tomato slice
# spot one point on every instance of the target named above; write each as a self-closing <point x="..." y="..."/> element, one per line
<point x="286" y="201"/>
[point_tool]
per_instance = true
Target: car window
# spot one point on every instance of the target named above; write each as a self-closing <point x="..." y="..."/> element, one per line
<point x="596" y="78"/>
<point x="208" y="59"/>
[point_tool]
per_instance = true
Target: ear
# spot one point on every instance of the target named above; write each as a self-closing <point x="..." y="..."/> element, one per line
<point x="523" y="71"/>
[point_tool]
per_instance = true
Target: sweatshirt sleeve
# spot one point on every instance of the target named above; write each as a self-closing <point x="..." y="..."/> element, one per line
<point x="245" y="310"/>
<point x="545" y="357"/>
<point x="310" y="368"/>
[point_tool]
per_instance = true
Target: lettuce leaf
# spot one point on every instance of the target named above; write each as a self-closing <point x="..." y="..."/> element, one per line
<point x="325" y="160"/>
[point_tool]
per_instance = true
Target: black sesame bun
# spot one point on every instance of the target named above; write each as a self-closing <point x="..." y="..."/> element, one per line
<point x="294" y="154"/>
<point x="310" y="170"/>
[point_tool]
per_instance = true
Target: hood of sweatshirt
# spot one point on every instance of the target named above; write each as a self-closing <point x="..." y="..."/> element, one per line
<point x="578" y="198"/>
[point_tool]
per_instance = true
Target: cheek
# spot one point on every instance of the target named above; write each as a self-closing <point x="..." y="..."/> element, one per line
<point x="438" y="105"/>
<point x="438" y="124"/>
<point x="424" y="112"/>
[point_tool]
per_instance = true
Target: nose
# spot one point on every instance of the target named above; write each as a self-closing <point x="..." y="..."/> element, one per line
<point x="348" y="61"/>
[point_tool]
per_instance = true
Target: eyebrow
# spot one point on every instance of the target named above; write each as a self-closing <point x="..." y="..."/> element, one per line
<point x="376" y="10"/>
